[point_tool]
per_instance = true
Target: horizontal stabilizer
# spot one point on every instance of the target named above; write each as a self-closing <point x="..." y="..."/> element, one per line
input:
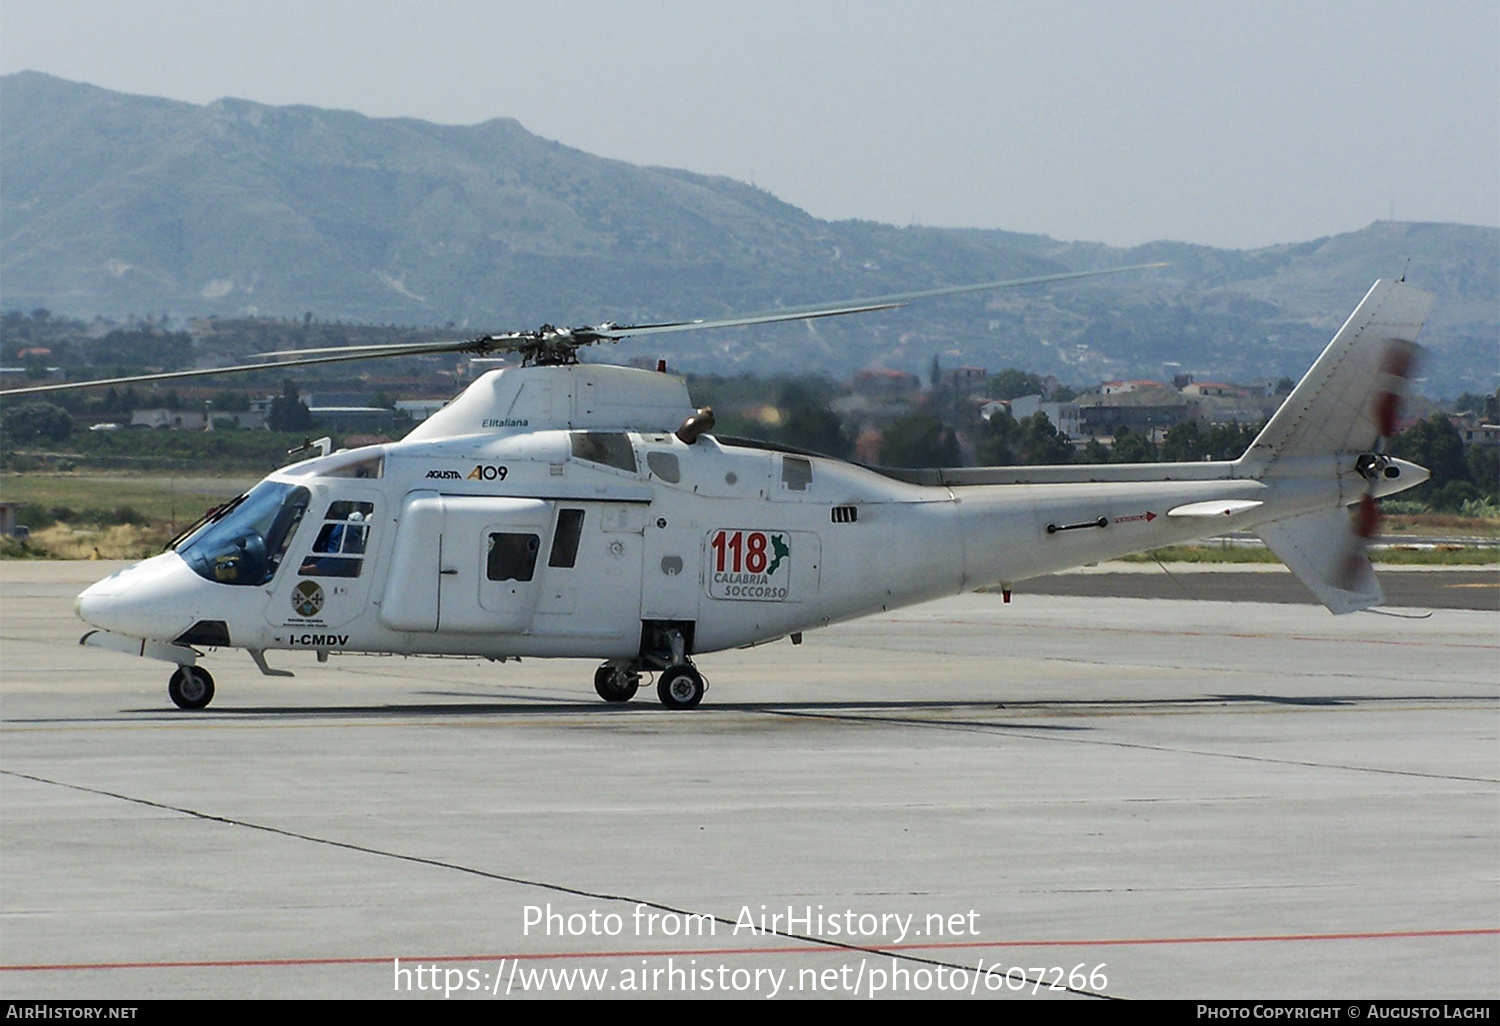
<point x="1324" y="552"/>
<point x="1214" y="508"/>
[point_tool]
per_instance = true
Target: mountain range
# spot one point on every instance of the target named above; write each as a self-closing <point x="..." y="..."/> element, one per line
<point x="115" y="205"/>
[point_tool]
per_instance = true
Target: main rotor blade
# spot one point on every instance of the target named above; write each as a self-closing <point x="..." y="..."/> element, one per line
<point x="243" y="368"/>
<point x="386" y="349"/>
<point x="569" y="338"/>
<point x="889" y="302"/>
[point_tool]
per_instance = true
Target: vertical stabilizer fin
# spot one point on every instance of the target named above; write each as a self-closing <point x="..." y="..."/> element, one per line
<point x="1326" y="553"/>
<point x="1351" y="396"/>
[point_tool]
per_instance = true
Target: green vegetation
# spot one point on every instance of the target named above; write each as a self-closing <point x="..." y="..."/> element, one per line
<point x="919" y="439"/>
<point x="1443" y="555"/>
<point x="1188" y="443"/>
<point x="1460" y="474"/>
<point x="1204" y="554"/>
<point x="1003" y="441"/>
<point x="103" y="500"/>
<point x="145" y="449"/>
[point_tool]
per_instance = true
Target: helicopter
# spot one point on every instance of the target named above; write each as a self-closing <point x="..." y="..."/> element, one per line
<point x="586" y="510"/>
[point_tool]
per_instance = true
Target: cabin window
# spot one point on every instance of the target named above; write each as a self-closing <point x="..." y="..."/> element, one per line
<point x="796" y="473"/>
<point x="339" y="549"/>
<point x="611" y="448"/>
<point x="664" y="465"/>
<point x="512" y="557"/>
<point x="565" y="538"/>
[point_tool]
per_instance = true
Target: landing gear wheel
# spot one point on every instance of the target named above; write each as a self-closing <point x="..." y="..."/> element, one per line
<point x="191" y="687"/>
<point x="680" y="687"/>
<point x="615" y="683"/>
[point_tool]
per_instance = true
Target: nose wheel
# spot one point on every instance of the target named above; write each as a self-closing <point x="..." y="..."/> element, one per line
<point x="191" y="687"/>
<point x="681" y="686"/>
<point x="616" y="683"/>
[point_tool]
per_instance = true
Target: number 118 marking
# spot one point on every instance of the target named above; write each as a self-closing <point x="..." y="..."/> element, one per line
<point x="740" y="551"/>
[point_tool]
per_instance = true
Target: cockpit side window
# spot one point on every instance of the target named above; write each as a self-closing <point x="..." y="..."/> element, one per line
<point x="246" y="542"/>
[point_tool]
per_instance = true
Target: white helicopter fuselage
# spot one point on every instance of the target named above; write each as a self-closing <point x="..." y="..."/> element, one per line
<point x="559" y="511"/>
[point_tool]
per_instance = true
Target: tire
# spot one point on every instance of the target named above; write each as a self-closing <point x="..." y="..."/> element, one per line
<point x="191" y="687"/>
<point x="680" y="687"/>
<point x="615" y="684"/>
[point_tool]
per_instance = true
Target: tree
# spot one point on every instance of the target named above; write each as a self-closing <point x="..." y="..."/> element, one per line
<point x="1130" y="447"/>
<point x="1472" y="402"/>
<point x="996" y="440"/>
<point x="1229" y="441"/>
<point x="919" y="440"/>
<point x="230" y="401"/>
<point x="1184" y="443"/>
<point x="807" y="422"/>
<point x="1094" y="451"/>
<point x="34" y="422"/>
<point x="1434" y="443"/>
<point x="1484" y="470"/>
<point x="1012" y="384"/>
<point x="1041" y="444"/>
<point x="288" y="412"/>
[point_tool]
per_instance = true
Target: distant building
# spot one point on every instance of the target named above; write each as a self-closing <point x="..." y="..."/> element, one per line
<point x="418" y="410"/>
<point x="244" y="420"/>
<point x="1148" y="408"/>
<point x="364" y="419"/>
<point x="176" y="420"/>
<point x="1065" y="417"/>
<point x="336" y="399"/>
<point x="1220" y="389"/>
<point x="30" y="375"/>
<point x="1473" y="430"/>
<point x="881" y="381"/>
<point x="1120" y="387"/>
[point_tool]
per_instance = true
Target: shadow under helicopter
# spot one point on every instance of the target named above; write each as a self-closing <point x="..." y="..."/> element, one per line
<point x="965" y="713"/>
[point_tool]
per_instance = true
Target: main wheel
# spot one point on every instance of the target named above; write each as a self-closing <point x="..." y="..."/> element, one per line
<point x="615" y="683"/>
<point x="680" y="687"/>
<point x="191" y="687"/>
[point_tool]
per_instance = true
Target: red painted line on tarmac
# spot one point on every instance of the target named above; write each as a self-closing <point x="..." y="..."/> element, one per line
<point x="801" y="949"/>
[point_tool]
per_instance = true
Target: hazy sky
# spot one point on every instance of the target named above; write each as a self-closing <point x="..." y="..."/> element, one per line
<point x="1216" y="121"/>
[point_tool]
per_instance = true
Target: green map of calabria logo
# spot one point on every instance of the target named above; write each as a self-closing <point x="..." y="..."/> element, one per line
<point x="782" y="550"/>
<point x="307" y="598"/>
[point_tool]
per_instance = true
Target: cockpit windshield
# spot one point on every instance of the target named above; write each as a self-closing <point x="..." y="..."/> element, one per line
<point x="244" y="545"/>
